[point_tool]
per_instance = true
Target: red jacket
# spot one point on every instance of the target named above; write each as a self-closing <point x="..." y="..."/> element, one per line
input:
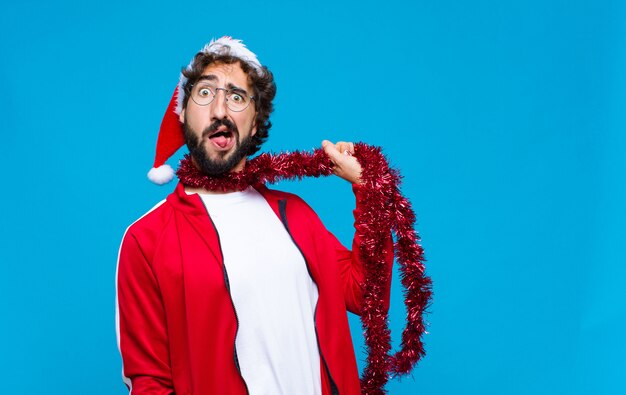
<point x="175" y="318"/>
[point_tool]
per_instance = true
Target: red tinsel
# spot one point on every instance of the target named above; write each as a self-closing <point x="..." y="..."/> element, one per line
<point x="384" y="209"/>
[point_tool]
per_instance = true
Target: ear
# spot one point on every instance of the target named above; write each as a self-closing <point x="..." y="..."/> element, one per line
<point x="181" y="116"/>
<point x="253" y="132"/>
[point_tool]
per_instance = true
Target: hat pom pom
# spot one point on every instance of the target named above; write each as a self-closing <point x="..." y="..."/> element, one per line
<point x="161" y="175"/>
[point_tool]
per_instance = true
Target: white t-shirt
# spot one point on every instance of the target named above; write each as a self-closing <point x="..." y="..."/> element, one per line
<point x="273" y="294"/>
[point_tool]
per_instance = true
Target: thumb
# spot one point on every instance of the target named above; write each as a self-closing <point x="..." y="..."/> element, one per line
<point x="332" y="151"/>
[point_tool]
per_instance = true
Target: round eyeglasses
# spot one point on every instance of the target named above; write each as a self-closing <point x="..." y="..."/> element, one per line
<point x="204" y="93"/>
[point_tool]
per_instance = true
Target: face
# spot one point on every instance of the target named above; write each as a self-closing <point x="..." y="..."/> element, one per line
<point x="217" y="137"/>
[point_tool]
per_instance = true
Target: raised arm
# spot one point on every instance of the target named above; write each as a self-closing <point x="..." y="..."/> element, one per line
<point x="350" y="263"/>
<point x="352" y="268"/>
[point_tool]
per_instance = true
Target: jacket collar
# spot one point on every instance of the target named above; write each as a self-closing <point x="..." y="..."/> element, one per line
<point x="188" y="204"/>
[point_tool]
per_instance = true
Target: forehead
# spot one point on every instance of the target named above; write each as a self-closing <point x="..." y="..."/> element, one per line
<point x="228" y="73"/>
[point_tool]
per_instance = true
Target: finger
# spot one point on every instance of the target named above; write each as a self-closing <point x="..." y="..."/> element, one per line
<point x="327" y="147"/>
<point x="337" y="145"/>
<point x="332" y="151"/>
<point x="344" y="148"/>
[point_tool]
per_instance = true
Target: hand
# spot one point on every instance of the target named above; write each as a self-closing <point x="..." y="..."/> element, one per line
<point x="345" y="165"/>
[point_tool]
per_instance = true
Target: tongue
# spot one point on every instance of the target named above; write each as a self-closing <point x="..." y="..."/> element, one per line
<point x="221" y="141"/>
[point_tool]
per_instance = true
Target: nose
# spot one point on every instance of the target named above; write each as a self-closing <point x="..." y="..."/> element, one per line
<point x="219" y="105"/>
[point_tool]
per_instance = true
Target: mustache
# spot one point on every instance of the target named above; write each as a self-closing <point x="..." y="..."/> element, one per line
<point x="225" y="122"/>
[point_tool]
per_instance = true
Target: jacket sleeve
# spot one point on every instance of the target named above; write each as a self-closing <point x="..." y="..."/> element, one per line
<point x="351" y="266"/>
<point x="141" y="327"/>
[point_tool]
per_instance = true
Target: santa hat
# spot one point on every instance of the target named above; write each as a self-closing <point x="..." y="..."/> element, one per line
<point x="171" y="135"/>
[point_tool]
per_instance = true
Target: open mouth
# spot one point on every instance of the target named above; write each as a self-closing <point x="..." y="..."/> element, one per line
<point x="222" y="138"/>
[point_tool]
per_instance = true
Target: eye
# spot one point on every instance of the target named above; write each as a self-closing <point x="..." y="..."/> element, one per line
<point x="237" y="98"/>
<point x="204" y="92"/>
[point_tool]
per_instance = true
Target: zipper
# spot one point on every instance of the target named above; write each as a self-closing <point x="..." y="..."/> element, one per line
<point x="227" y="283"/>
<point x="282" y="208"/>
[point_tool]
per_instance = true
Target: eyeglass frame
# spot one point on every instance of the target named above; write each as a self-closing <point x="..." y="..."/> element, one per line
<point x="239" y="91"/>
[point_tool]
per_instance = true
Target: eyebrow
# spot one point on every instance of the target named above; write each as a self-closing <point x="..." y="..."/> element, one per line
<point x="235" y="88"/>
<point x="229" y="86"/>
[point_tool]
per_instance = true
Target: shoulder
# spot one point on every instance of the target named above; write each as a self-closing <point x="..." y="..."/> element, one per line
<point x="150" y="216"/>
<point x="148" y="227"/>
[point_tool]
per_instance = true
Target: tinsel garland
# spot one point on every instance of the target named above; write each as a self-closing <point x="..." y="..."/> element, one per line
<point x="383" y="208"/>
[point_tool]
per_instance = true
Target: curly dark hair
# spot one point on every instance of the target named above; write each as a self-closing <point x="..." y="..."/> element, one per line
<point x="262" y="83"/>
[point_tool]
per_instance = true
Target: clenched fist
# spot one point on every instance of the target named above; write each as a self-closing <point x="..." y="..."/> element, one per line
<point x="345" y="165"/>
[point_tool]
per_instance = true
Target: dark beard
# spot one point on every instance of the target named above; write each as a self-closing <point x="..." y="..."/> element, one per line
<point x="216" y="167"/>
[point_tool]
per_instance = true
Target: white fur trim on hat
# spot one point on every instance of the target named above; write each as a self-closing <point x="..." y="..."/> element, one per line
<point x="222" y="46"/>
<point x="161" y="175"/>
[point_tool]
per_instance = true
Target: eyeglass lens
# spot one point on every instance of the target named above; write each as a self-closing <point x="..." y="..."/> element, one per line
<point x="203" y="94"/>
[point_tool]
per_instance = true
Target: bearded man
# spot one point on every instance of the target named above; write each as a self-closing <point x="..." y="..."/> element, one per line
<point x="235" y="291"/>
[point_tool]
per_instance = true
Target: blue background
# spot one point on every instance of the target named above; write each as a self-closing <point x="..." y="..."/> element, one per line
<point x="507" y="120"/>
